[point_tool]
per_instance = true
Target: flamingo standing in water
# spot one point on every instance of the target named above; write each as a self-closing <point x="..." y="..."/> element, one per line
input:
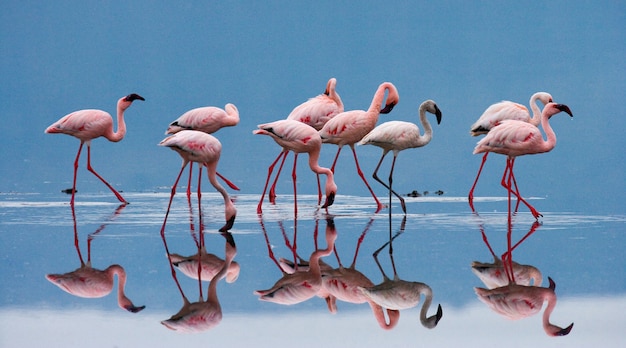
<point x="297" y="137"/>
<point x="505" y="110"/>
<point x="196" y="146"/>
<point x="349" y="127"/>
<point x="208" y="119"/>
<point x="516" y="138"/>
<point x="89" y="124"/>
<point x="315" y="112"/>
<point x="398" y="294"/>
<point x="397" y="136"/>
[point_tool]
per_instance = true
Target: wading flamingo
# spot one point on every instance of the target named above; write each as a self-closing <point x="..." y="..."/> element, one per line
<point x="301" y="285"/>
<point x="207" y="119"/>
<point x="349" y="127"/>
<point x="315" y="112"/>
<point x="344" y="284"/>
<point x="196" y="146"/>
<point x="89" y="124"/>
<point x="516" y="138"/>
<point x="398" y="294"/>
<point x="88" y="282"/>
<point x="516" y="301"/>
<point x="505" y="110"/>
<point x="203" y="315"/>
<point x="397" y="136"/>
<point x="298" y="137"/>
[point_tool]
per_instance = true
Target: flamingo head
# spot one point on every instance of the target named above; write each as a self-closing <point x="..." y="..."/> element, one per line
<point x="392" y="97"/>
<point x="431" y="106"/>
<point x="543" y="97"/>
<point x="330" y="86"/>
<point x="331" y="191"/>
<point x="126" y="101"/>
<point x="553" y="108"/>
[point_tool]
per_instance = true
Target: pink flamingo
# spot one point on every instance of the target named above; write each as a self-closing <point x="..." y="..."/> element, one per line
<point x="505" y="110"/>
<point x="349" y="127"/>
<point x="298" y="137"/>
<point x="196" y="146"/>
<point x="88" y="282"/>
<point x="344" y="284"/>
<point x="397" y="136"/>
<point x="301" y="285"/>
<point x="208" y="119"/>
<point x="516" y="301"/>
<point x="398" y="294"/>
<point x="516" y="138"/>
<point x="90" y="124"/>
<point x="315" y="112"/>
<point x="203" y="315"/>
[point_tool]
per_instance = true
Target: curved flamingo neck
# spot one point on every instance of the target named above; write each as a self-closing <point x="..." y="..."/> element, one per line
<point x="379" y="96"/>
<point x="233" y="115"/>
<point x="333" y="95"/>
<point x="231" y="251"/>
<point x="550" y="143"/>
<point x="122" y="300"/>
<point x="535" y="118"/>
<point x="379" y="314"/>
<point x="428" y="299"/>
<point x="428" y="130"/>
<point x="121" y="126"/>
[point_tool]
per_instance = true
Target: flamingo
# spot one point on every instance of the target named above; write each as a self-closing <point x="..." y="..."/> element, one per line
<point x="208" y="119"/>
<point x="398" y="294"/>
<point x="349" y="127"/>
<point x="89" y="124"/>
<point x="344" y="284"/>
<point x="89" y="282"/>
<point x="397" y="136"/>
<point x="516" y="301"/>
<point x="203" y="315"/>
<point x="196" y="146"/>
<point x="315" y="112"/>
<point x="298" y="137"/>
<point x="301" y="285"/>
<point x="505" y="110"/>
<point x="516" y="138"/>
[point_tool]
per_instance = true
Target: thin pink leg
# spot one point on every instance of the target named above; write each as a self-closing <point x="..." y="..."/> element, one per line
<point x="228" y="182"/>
<point x="189" y="182"/>
<point x="294" y="179"/>
<point x="379" y="205"/>
<point x="75" y="172"/>
<point x="332" y="169"/>
<point x="509" y="167"/>
<point x="259" y="209"/>
<point x="470" y="196"/>
<point x="119" y="197"/>
<point x="272" y="193"/>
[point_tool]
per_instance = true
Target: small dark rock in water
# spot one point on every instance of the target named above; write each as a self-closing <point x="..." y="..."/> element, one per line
<point x="68" y="191"/>
<point x="438" y="192"/>
<point x="414" y="193"/>
<point x="426" y="192"/>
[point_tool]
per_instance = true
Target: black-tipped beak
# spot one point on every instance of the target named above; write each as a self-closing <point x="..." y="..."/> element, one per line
<point x="552" y="284"/>
<point x="134" y="309"/>
<point x="133" y="96"/>
<point x="565" y="108"/>
<point x="387" y="109"/>
<point x="565" y="331"/>
<point x="330" y="199"/>
<point x="229" y="224"/>
<point x="229" y="238"/>
<point x="438" y="114"/>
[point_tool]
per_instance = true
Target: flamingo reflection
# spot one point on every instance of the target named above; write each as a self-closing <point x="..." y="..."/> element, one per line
<point x="516" y="301"/>
<point x="344" y="284"/>
<point x="204" y="314"/>
<point x="89" y="282"/>
<point x="398" y="294"/>
<point x="300" y="285"/>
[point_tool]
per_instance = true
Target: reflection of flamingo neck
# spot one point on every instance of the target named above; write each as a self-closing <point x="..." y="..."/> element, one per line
<point x="551" y="329"/>
<point x="428" y="299"/>
<point x="122" y="300"/>
<point x="231" y="251"/>
<point x="379" y="314"/>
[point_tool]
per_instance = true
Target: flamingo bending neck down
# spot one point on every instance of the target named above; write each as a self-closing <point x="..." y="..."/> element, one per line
<point x="516" y="138"/>
<point x="89" y="282"/>
<point x="397" y="136"/>
<point x="505" y="110"/>
<point x="315" y="112"/>
<point x="349" y="127"/>
<point x="516" y="301"/>
<point x="207" y="119"/>
<point x="196" y="146"/>
<point x="298" y="137"/>
<point x="89" y="124"/>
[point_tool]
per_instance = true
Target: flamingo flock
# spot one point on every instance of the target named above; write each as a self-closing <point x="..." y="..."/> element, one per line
<point x="508" y="129"/>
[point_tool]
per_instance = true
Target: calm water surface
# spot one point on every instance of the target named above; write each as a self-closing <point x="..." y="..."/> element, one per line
<point x="441" y="237"/>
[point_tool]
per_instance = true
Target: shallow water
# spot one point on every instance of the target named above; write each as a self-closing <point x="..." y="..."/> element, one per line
<point x="583" y="254"/>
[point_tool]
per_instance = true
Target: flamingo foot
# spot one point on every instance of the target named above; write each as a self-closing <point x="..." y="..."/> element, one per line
<point x="379" y="207"/>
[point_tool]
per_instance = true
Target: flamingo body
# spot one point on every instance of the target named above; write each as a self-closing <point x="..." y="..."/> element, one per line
<point x="208" y="119"/>
<point x="200" y="147"/>
<point x="318" y="110"/>
<point x="89" y="124"/>
<point x="493" y="275"/>
<point x="210" y="265"/>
